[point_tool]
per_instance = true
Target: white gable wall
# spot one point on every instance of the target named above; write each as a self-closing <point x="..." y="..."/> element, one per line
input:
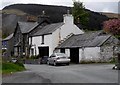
<point x="69" y="27"/>
<point x="62" y="32"/>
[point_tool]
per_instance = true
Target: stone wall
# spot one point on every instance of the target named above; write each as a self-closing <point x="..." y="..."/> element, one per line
<point x="107" y="50"/>
<point x="107" y="53"/>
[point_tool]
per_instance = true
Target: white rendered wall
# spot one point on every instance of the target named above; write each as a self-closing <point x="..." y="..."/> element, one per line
<point x="69" y="27"/>
<point x="92" y="53"/>
<point x="37" y="40"/>
<point x="55" y="39"/>
<point x="67" y="52"/>
<point x="80" y="54"/>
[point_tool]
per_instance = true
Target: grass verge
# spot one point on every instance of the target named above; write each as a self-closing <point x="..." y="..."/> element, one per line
<point x="8" y="68"/>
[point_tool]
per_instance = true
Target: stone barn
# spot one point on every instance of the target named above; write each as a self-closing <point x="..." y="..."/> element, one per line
<point x="90" y="46"/>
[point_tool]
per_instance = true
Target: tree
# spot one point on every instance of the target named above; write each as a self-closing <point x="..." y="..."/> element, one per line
<point x="80" y="15"/>
<point x="112" y="26"/>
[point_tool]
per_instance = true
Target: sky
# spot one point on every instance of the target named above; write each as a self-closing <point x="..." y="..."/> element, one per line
<point x="94" y="5"/>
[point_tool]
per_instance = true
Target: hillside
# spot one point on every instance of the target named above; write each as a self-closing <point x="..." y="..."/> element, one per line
<point x="13" y="11"/>
<point x="10" y="16"/>
<point x="111" y="15"/>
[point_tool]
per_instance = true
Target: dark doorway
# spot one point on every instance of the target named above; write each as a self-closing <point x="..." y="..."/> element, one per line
<point x="74" y="55"/>
<point x="62" y="50"/>
<point x="43" y="51"/>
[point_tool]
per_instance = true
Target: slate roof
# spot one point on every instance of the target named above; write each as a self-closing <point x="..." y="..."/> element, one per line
<point x="48" y="29"/>
<point x="26" y="27"/>
<point x="9" y="37"/>
<point x="89" y="39"/>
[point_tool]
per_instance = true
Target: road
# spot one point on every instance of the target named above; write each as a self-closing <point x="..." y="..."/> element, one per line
<point x="80" y="73"/>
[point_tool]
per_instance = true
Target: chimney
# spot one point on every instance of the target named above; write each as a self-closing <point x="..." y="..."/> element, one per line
<point x="43" y="17"/>
<point x="68" y="18"/>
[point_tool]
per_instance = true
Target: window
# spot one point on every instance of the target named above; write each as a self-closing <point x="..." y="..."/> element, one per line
<point x="4" y="43"/>
<point x="42" y="39"/>
<point x="52" y="55"/>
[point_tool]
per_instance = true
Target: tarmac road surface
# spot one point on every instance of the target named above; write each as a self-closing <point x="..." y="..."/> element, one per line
<point x="74" y="73"/>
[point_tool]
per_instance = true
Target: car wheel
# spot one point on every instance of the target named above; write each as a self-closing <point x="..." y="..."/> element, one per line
<point x="54" y="63"/>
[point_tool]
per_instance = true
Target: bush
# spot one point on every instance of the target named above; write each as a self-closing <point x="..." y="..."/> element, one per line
<point x="33" y="57"/>
<point x="113" y="60"/>
<point x="19" y="63"/>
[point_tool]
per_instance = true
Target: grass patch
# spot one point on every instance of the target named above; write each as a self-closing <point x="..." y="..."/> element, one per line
<point x="8" y="67"/>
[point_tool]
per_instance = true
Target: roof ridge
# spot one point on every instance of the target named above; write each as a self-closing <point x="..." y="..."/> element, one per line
<point x="108" y="36"/>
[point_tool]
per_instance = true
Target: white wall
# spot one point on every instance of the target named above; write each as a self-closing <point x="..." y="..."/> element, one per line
<point x="69" y="27"/>
<point x="90" y="53"/>
<point x="55" y="39"/>
<point x="62" y="32"/>
<point x="37" y="40"/>
<point x="80" y="55"/>
<point x="67" y="51"/>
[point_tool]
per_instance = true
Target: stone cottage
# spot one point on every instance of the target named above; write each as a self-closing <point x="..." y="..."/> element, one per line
<point x="22" y="32"/>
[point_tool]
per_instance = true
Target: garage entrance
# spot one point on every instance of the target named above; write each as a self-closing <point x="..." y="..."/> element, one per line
<point x="74" y="55"/>
<point x="43" y="51"/>
<point x="62" y="50"/>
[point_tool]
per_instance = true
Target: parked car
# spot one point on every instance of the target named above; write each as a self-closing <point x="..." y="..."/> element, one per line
<point x="58" y="58"/>
<point x="44" y="60"/>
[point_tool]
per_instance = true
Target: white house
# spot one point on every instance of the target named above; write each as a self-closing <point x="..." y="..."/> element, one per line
<point x="46" y="39"/>
<point x="90" y="46"/>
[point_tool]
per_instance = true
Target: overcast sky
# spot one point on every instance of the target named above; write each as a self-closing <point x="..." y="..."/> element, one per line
<point x="94" y="5"/>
